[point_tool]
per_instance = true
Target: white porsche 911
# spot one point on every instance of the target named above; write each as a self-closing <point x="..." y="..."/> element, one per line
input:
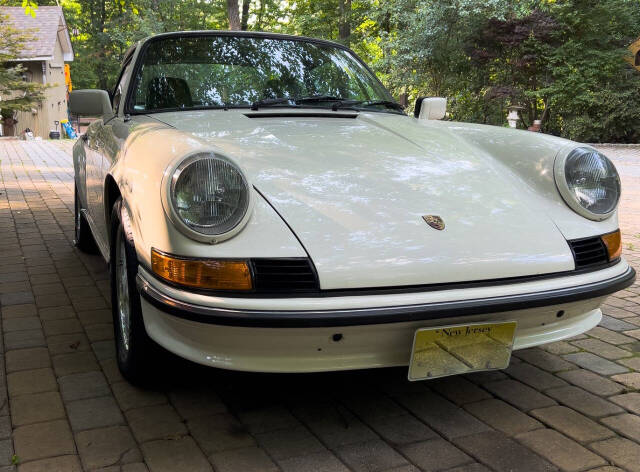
<point x="265" y="205"/>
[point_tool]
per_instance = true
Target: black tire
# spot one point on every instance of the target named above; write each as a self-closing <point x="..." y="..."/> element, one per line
<point x="83" y="237"/>
<point x="135" y="351"/>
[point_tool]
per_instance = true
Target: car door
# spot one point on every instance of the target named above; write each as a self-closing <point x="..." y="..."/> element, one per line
<point x="110" y="135"/>
<point x="91" y="140"/>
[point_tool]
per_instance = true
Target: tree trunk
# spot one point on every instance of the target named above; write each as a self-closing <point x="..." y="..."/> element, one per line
<point x="245" y="14"/>
<point x="260" y="15"/>
<point x="344" y="28"/>
<point x="234" y="15"/>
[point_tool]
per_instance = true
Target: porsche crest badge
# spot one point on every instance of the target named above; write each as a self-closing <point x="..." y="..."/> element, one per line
<point x="434" y="221"/>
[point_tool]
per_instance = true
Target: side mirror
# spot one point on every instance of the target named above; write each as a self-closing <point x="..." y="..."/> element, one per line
<point x="90" y="103"/>
<point x="430" y="108"/>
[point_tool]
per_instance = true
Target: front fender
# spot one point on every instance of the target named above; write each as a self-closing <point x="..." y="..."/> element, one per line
<point x="146" y="156"/>
<point x="530" y="158"/>
<point x="80" y="171"/>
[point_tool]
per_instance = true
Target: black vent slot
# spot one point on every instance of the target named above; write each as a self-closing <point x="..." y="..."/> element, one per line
<point x="284" y="114"/>
<point x="589" y="252"/>
<point x="284" y="275"/>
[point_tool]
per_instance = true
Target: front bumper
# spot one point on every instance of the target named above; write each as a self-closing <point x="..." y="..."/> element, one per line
<point x="297" y="334"/>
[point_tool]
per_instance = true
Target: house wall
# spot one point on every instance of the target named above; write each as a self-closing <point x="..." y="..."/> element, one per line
<point x="40" y="120"/>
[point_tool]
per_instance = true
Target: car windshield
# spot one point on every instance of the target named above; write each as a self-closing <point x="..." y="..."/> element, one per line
<point x="208" y="71"/>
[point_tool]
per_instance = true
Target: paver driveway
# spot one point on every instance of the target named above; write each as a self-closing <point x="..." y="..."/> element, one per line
<point x="571" y="406"/>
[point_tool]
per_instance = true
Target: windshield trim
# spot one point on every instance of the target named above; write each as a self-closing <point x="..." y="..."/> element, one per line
<point x="130" y="110"/>
<point x="266" y="109"/>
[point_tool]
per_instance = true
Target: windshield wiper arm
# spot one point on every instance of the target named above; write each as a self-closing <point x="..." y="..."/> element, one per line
<point x="267" y="102"/>
<point x="368" y="103"/>
<point x="319" y="98"/>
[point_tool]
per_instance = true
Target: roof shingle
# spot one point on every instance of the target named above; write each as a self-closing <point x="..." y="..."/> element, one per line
<point x="45" y="28"/>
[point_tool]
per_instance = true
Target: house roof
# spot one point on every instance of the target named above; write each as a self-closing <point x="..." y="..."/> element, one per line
<point x="48" y="25"/>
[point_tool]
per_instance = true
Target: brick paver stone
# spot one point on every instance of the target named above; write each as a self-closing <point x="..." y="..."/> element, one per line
<point x="196" y="403"/>
<point x="442" y="415"/>
<point x="93" y="413"/>
<point x="459" y="390"/>
<point x="371" y="455"/>
<point x="17" y="311"/>
<point x="68" y="344"/>
<point x="67" y="364"/>
<point x="631" y="380"/>
<point x="560" y="450"/>
<point x="583" y="401"/>
<point x="401" y="429"/>
<point x="107" y="446"/>
<point x="372" y="405"/>
<point x="338" y="428"/>
<point x="180" y="454"/>
<point x="38" y="441"/>
<point x="286" y="443"/>
<point x="219" y="433"/>
<point x="601" y="348"/>
<point x="502" y="416"/>
<point x="595" y="363"/>
<point x="630" y="401"/>
<point x="534" y="377"/>
<point x="611" y="337"/>
<point x="129" y="396"/>
<point x="544" y="360"/>
<point x="27" y="359"/>
<point x="502" y="453"/>
<point x="31" y="381"/>
<point x="572" y="423"/>
<point x="24" y="339"/>
<point x="435" y="454"/>
<point x="54" y="464"/>
<point x="84" y="385"/>
<point x="155" y="422"/>
<point x="20" y="324"/>
<point x="615" y="324"/>
<point x="626" y="425"/>
<point x="592" y="382"/>
<point x="318" y="462"/>
<point x="621" y="452"/>
<point x="519" y="394"/>
<point x="36" y="407"/>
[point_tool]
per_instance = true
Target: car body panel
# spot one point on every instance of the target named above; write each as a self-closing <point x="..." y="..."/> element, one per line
<point x="354" y="191"/>
<point x="348" y="189"/>
<point x="370" y="346"/>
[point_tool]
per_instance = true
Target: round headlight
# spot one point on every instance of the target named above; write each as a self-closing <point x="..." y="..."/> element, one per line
<point x="589" y="183"/>
<point x="209" y="194"/>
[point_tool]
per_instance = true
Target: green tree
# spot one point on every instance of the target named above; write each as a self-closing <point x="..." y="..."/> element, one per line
<point x="594" y="93"/>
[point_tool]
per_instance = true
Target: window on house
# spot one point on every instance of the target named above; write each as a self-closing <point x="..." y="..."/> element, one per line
<point x="637" y="62"/>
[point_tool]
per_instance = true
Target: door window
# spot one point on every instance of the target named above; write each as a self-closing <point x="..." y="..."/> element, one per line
<point x="119" y="90"/>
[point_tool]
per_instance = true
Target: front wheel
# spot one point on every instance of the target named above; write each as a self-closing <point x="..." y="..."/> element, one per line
<point x="135" y="351"/>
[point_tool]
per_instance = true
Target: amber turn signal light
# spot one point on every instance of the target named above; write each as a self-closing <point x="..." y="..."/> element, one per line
<point x="613" y="242"/>
<point x="210" y="274"/>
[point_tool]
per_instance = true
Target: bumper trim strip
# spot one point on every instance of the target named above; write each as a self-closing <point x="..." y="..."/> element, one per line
<point x="381" y="315"/>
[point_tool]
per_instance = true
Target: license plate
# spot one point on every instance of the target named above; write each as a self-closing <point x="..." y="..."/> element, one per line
<point x="458" y="349"/>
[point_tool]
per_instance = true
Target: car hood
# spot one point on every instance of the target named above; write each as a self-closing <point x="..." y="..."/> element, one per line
<point x="354" y="189"/>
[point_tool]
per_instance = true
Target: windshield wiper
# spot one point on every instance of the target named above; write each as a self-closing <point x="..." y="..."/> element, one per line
<point x="268" y="102"/>
<point x="368" y="103"/>
<point x="318" y="98"/>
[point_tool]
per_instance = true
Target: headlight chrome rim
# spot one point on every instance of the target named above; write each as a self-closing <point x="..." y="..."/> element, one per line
<point x="568" y="195"/>
<point x="171" y="177"/>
